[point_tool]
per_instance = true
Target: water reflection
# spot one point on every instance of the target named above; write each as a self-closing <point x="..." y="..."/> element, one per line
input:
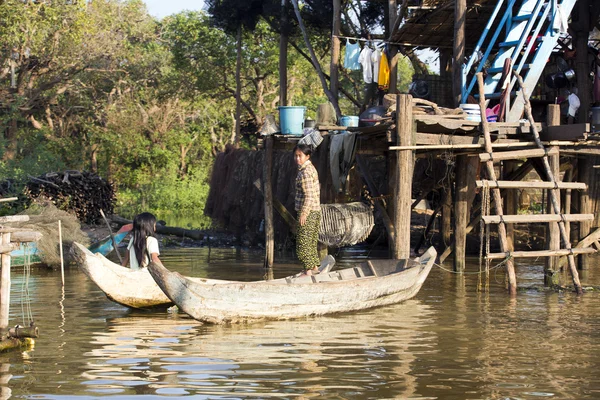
<point x="175" y="355"/>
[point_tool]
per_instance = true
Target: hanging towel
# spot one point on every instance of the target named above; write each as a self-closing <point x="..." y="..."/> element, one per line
<point x="384" y="72"/>
<point x="375" y="58"/>
<point x="367" y="64"/>
<point x="351" y="57"/>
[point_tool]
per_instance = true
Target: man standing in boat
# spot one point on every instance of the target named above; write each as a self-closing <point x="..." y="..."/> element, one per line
<point x="308" y="207"/>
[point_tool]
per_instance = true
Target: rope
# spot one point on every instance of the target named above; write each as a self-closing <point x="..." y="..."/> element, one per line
<point x="495" y="267"/>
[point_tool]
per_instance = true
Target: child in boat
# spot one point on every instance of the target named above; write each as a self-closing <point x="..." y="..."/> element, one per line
<point x="143" y="246"/>
<point x="308" y="193"/>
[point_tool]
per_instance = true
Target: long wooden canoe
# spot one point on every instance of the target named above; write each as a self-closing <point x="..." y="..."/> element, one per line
<point x="370" y="284"/>
<point x="131" y="288"/>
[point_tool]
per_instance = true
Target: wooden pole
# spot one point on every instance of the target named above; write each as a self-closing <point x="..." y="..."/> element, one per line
<point x="268" y="194"/>
<point x="460" y="14"/>
<point x="555" y="205"/>
<point x="393" y="49"/>
<point x="315" y="61"/>
<point x="112" y="237"/>
<point x="553" y="238"/>
<point x="60" y="249"/>
<point x="465" y="170"/>
<point x="4" y="284"/>
<point x="510" y="202"/>
<point x="510" y="266"/>
<point x="402" y="185"/>
<point x="283" y="50"/>
<point x="238" y="90"/>
<point x="584" y="171"/>
<point x="335" y="48"/>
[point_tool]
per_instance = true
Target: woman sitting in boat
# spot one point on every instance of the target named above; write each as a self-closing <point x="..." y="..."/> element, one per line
<point x="143" y="246"/>
<point x="308" y="193"/>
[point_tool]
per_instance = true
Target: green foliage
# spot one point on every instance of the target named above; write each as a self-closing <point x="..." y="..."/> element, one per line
<point x="148" y="104"/>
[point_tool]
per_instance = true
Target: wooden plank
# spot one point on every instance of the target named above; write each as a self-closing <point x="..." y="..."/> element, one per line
<point x="371" y="267"/>
<point x="22" y="236"/>
<point x="517" y="154"/>
<point x="6" y="199"/>
<point x="14" y="218"/>
<point x="536" y="218"/>
<point x="540" y="253"/>
<point x="531" y="185"/>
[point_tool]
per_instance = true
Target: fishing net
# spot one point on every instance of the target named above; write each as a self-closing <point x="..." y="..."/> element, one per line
<point x="43" y="218"/>
<point x="345" y="224"/>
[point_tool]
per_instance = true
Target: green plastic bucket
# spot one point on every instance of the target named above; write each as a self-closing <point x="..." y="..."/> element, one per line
<point x="291" y="119"/>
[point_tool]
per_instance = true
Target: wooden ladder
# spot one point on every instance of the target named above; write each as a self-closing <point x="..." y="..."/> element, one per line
<point x="552" y="185"/>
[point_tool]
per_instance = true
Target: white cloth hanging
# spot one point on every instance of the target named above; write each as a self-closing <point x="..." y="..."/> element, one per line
<point x="367" y="64"/>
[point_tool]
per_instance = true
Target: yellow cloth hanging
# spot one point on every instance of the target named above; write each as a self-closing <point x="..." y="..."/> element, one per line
<point x="384" y="72"/>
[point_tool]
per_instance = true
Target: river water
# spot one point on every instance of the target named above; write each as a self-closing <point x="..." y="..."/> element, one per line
<point x="449" y="342"/>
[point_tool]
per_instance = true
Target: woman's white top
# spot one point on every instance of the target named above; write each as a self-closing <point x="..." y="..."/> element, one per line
<point x="151" y="248"/>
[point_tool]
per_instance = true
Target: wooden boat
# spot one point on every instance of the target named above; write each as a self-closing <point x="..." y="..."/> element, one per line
<point x="131" y="288"/>
<point x="370" y="284"/>
<point x="104" y="246"/>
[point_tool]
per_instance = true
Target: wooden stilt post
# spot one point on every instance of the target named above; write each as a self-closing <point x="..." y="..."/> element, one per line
<point x="446" y="225"/>
<point x="567" y="201"/>
<point x="402" y="185"/>
<point x="268" y="194"/>
<point x="460" y="17"/>
<point x="4" y="284"/>
<point x="553" y="238"/>
<point x="510" y="266"/>
<point x="510" y="202"/>
<point x="283" y="48"/>
<point x="465" y="187"/>
<point x="335" y="48"/>
<point x="393" y="49"/>
<point x="584" y="167"/>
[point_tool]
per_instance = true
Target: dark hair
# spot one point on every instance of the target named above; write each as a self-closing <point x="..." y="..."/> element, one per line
<point x="143" y="226"/>
<point x="307" y="149"/>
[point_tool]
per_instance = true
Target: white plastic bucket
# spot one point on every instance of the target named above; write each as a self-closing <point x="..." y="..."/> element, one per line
<point x="473" y="112"/>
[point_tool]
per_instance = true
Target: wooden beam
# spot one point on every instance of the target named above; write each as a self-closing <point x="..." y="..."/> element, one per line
<point x="14" y="218"/>
<point x="23" y="236"/>
<point x="531" y="185"/>
<point x="536" y="218"/>
<point x="517" y="154"/>
<point x="540" y="253"/>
